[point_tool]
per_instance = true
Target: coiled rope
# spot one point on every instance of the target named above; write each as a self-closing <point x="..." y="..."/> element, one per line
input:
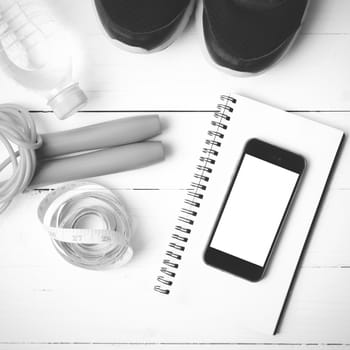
<point x="63" y="210"/>
<point x="19" y="136"/>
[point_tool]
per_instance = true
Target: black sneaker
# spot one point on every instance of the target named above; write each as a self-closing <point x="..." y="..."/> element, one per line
<point x="144" y="25"/>
<point x="247" y="36"/>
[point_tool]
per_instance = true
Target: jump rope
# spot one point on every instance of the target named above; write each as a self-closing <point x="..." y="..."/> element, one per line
<point x="100" y="149"/>
<point x="44" y="159"/>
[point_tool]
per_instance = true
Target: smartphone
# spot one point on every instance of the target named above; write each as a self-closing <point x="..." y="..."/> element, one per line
<point x="254" y="209"/>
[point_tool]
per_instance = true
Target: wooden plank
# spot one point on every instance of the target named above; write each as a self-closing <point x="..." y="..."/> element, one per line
<point x="330" y="231"/>
<point x="118" y="80"/>
<point x="183" y="135"/>
<point x="330" y="239"/>
<point x="62" y="305"/>
<point x="45" y="299"/>
<point x="325" y="17"/>
<point x="328" y="246"/>
<point x="151" y="346"/>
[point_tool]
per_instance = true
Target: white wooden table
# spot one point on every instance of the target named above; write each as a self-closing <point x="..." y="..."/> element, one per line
<point x="313" y="80"/>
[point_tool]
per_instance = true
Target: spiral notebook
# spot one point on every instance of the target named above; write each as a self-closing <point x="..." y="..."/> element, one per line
<point x="210" y="294"/>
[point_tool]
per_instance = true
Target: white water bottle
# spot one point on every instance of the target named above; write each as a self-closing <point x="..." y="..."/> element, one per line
<point x="34" y="52"/>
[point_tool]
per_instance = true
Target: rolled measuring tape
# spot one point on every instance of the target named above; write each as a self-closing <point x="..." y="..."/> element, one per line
<point x="65" y="212"/>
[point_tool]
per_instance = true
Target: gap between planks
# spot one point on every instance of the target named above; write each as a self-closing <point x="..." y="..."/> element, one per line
<point x="179" y="343"/>
<point x="190" y="111"/>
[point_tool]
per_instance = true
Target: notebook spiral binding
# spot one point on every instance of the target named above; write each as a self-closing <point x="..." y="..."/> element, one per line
<point x="194" y="196"/>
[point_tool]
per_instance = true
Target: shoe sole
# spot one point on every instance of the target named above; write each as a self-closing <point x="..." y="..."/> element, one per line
<point x="135" y="49"/>
<point x="237" y="73"/>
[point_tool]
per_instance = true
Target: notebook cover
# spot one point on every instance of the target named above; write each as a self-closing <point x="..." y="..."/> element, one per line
<point x="211" y="294"/>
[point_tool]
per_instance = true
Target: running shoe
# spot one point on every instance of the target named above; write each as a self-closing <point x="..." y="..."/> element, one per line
<point x="248" y="36"/>
<point x="144" y="25"/>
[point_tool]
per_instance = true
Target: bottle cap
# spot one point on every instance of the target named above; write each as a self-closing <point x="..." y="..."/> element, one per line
<point x="68" y="101"/>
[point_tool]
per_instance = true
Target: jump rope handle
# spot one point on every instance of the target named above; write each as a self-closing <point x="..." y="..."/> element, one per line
<point x="97" y="163"/>
<point x="103" y="135"/>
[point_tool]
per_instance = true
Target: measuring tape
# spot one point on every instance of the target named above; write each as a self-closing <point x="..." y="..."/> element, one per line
<point x="63" y="210"/>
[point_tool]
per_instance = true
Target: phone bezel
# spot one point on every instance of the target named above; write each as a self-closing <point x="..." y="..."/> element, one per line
<point x="272" y="154"/>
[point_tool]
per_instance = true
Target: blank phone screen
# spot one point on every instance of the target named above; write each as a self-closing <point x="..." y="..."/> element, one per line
<point x="254" y="210"/>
